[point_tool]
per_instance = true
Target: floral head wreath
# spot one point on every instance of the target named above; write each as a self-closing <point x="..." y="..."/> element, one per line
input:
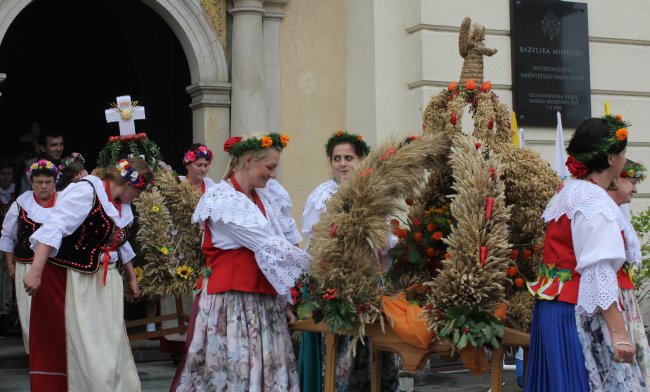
<point x="132" y="176"/>
<point x="237" y="145"/>
<point x="200" y="152"/>
<point x="73" y="158"/>
<point x="340" y="137"/>
<point x="577" y="163"/>
<point x="42" y="166"/>
<point x="634" y="170"/>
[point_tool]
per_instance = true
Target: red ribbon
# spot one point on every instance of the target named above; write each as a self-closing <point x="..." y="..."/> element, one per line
<point x="484" y="250"/>
<point x="489" y="205"/>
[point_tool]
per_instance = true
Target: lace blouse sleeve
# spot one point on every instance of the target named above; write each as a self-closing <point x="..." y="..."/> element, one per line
<point x="599" y="250"/>
<point x="69" y="212"/>
<point x="283" y="202"/>
<point x="280" y="261"/>
<point x="10" y="229"/>
<point x="126" y="252"/>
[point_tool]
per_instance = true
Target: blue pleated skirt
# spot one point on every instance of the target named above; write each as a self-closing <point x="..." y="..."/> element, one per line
<point x="555" y="362"/>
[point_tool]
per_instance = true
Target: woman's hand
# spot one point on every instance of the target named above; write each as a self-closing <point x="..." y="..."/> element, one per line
<point x="291" y="316"/>
<point x="624" y="351"/>
<point x="32" y="281"/>
<point x="133" y="283"/>
<point x="11" y="268"/>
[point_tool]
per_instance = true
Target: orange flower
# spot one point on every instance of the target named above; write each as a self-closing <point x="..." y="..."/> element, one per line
<point x="470" y="84"/>
<point x="519" y="282"/>
<point x="526" y="254"/>
<point x="485" y="87"/>
<point x="401" y="233"/>
<point x="619" y="117"/>
<point x="339" y="133"/>
<point x="436" y="236"/>
<point x="416" y="222"/>
<point x="431" y="227"/>
<point x="360" y="138"/>
<point x="621" y="134"/>
<point x="284" y="140"/>
<point x="512" y="271"/>
<point x="452" y="86"/>
<point x="267" y="142"/>
<point x="447" y="256"/>
<point x="417" y="236"/>
<point x="394" y="222"/>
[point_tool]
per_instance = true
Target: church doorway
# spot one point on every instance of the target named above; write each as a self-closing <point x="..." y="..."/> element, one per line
<point x="66" y="61"/>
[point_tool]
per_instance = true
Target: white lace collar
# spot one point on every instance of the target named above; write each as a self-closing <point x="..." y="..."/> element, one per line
<point x="321" y="195"/>
<point x="585" y="197"/>
<point x="632" y="243"/>
<point x="109" y="208"/>
<point x="222" y="202"/>
<point x="278" y="193"/>
<point x="35" y="211"/>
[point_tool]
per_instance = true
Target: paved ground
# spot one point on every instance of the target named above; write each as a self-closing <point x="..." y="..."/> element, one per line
<point x="156" y="370"/>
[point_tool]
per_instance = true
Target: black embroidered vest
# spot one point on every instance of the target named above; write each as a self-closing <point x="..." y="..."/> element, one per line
<point x="80" y="250"/>
<point x="23" y="253"/>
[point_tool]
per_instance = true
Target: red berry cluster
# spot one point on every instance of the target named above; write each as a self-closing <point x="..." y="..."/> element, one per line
<point x="330" y="294"/>
<point x="127" y="138"/>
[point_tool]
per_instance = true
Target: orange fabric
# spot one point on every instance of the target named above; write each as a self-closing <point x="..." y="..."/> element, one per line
<point x="405" y="321"/>
<point x="474" y="359"/>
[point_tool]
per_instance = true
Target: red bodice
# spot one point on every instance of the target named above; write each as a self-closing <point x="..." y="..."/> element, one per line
<point x="557" y="277"/>
<point x="233" y="269"/>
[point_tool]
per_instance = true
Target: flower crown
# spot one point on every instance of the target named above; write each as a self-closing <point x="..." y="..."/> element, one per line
<point x="74" y="157"/>
<point x="340" y="137"/>
<point x="42" y="166"/>
<point x="617" y="135"/>
<point x="634" y="170"/>
<point x="201" y="152"/>
<point x="237" y="145"/>
<point x="131" y="175"/>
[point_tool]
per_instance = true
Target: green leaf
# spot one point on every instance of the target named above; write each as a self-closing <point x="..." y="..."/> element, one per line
<point x="462" y="342"/>
<point x="305" y="310"/>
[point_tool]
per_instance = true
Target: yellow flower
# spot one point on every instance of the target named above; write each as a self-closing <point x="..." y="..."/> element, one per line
<point x="267" y="142"/>
<point x="139" y="273"/>
<point x="184" y="271"/>
<point x="155" y="208"/>
<point x="284" y="140"/>
<point x="360" y="138"/>
<point x="164" y="250"/>
<point x="631" y="172"/>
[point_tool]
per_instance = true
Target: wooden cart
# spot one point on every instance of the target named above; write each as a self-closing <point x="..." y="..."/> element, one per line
<point x="413" y="358"/>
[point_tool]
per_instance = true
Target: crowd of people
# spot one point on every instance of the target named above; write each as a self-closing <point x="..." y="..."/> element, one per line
<point x="65" y="231"/>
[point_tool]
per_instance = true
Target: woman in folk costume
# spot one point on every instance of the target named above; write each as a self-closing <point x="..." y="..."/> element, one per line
<point x="579" y="338"/>
<point x="77" y="337"/>
<point x="344" y="151"/>
<point x="73" y="169"/>
<point x="24" y="217"/>
<point x="240" y="340"/>
<point x="197" y="162"/>
<point x="621" y="191"/>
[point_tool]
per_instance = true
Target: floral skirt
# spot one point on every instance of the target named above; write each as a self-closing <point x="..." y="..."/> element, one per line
<point x="603" y="372"/>
<point x="637" y="333"/>
<point x="241" y="342"/>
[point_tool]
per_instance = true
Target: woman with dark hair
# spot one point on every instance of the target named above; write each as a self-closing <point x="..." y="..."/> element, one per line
<point x="197" y="162"/>
<point x="78" y="340"/>
<point x="73" y="169"/>
<point x="579" y="340"/>
<point x="25" y="215"/>
<point x="344" y="151"/>
<point x="239" y="338"/>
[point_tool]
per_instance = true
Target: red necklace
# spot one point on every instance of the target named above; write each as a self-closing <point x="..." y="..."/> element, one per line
<point x="117" y="204"/>
<point x="50" y="204"/>
<point x="256" y="198"/>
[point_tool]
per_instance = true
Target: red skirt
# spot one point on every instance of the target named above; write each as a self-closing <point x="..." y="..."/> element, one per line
<point x="47" y="343"/>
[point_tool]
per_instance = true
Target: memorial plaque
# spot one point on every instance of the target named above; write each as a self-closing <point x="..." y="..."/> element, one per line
<point x="550" y="62"/>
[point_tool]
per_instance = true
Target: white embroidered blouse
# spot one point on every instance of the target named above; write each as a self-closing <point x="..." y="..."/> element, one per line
<point x="71" y="209"/>
<point x="235" y="222"/>
<point x="596" y="225"/>
<point x="35" y="212"/>
<point x="315" y="205"/>
<point x="283" y="200"/>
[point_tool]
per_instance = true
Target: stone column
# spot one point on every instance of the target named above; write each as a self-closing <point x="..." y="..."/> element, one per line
<point x="272" y="20"/>
<point x="248" y="111"/>
<point x="210" y="116"/>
